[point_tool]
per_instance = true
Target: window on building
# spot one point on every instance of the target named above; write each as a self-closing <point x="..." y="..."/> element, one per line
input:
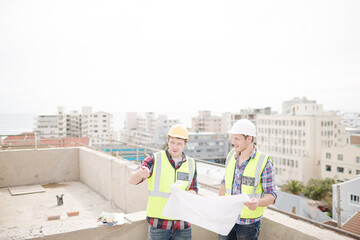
<point x="340" y="157"/>
<point x="328" y="168"/>
<point x="357" y="171"/>
<point x="357" y="159"/>
<point x="350" y="172"/>
<point x="355" y="199"/>
<point x="340" y="169"/>
<point x="328" y="155"/>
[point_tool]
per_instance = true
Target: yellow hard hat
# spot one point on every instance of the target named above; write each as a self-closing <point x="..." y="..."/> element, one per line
<point x="178" y="131"/>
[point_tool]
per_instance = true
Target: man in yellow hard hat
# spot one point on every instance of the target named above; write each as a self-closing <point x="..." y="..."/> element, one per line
<point x="248" y="170"/>
<point x="162" y="169"/>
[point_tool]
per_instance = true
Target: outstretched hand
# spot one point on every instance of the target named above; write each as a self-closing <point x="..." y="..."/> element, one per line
<point x="144" y="172"/>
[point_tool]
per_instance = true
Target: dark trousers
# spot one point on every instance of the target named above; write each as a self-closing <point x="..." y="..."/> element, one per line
<point x="243" y="232"/>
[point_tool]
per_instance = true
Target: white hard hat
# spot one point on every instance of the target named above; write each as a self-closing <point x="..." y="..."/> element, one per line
<point x="243" y="126"/>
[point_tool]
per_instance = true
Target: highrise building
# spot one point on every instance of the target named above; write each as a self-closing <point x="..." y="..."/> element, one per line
<point x="96" y="125"/>
<point x="147" y="130"/>
<point x="351" y="120"/>
<point x="207" y="146"/>
<point x="206" y="123"/>
<point x="296" y="138"/>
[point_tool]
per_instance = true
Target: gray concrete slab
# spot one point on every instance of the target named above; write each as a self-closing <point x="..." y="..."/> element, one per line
<point x="25" y="216"/>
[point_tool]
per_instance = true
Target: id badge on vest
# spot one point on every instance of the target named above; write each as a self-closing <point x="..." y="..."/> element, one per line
<point x="182" y="176"/>
<point x="249" y="181"/>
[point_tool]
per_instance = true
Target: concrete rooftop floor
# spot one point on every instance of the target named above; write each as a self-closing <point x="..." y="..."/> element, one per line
<point x="25" y="216"/>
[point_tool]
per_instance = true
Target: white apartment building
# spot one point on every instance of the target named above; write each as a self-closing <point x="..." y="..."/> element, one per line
<point x="351" y="120"/>
<point x="46" y="125"/>
<point x="147" y="130"/>
<point x="97" y="125"/>
<point x="85" y="124"/>
<point x="295" y="140"/>
<point x="340" y="162"/>
<point x="287" y="106"/>
<point x="206" y="123"/>
<point x="207" y="146"/>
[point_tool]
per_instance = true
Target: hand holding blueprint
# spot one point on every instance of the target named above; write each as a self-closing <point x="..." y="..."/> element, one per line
<point x="217" y="214"/>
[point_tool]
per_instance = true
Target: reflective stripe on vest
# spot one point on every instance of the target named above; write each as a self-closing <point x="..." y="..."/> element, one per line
<point x="159" y="191"/>
<point x="250" y="181"/>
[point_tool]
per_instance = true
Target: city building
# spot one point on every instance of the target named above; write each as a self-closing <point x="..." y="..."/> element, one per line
<point x="295" y="140"/>
<point x="349" y="199"/>
<point x="47" y="125"/>
<point x="207" y="146"/>
<point x="340" y="162"/>
<point x="97" y="125"/>
<point x="288" y="106"/>
<point x="206" y="123"/>
<point x="146" y="130"/>
<point x="351" y="120"/>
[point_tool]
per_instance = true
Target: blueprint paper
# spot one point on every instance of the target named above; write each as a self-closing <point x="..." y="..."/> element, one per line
<point x="217" y="214"/>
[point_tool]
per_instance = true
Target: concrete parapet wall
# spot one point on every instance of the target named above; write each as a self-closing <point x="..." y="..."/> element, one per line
<point x="109" y="177"/>
<point x="136" y="227"/>
<point x="130" y="198"/>
<point x="95" y="171"/>
<point x="275" y="225"/>
<point x="28" y="167"/>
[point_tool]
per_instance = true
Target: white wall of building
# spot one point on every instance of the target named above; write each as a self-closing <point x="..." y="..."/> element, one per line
<point x="349" y="199"/>
<point x="148" y="130"/>
<point x="295" y="141"/>
<point x="74" y="124"/>
<point x="340" y="162"/>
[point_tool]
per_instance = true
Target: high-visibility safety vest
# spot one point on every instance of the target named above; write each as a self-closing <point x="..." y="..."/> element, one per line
<point x="250" y="180"/>
<point x="162" y="177"/>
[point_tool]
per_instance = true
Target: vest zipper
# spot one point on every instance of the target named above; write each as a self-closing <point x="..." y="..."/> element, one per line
<point x="175" y="177"/>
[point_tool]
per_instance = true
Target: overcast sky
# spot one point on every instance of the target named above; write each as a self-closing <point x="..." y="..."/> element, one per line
<point x="175" y="56"/>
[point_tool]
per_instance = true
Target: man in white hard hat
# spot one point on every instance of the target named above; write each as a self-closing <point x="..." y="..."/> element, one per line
<point x="162" y="169"/>
<point x="247" y="170"/>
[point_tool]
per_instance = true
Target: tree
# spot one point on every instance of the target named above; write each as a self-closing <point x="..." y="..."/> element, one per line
<point x="293" y="186"/>
<point x="318" y="189"/>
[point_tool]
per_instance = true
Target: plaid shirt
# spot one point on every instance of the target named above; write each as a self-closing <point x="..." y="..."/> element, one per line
<point x="163" y="223"/>
<point x="267" y="182"/>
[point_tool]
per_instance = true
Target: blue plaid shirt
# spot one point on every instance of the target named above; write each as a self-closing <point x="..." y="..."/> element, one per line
<point x="267" y="182"/>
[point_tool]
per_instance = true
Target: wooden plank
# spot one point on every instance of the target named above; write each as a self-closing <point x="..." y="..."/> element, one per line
<point x="26" y="190"/>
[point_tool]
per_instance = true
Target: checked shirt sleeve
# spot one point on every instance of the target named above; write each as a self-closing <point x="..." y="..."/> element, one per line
<point x="268" y="179"/>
